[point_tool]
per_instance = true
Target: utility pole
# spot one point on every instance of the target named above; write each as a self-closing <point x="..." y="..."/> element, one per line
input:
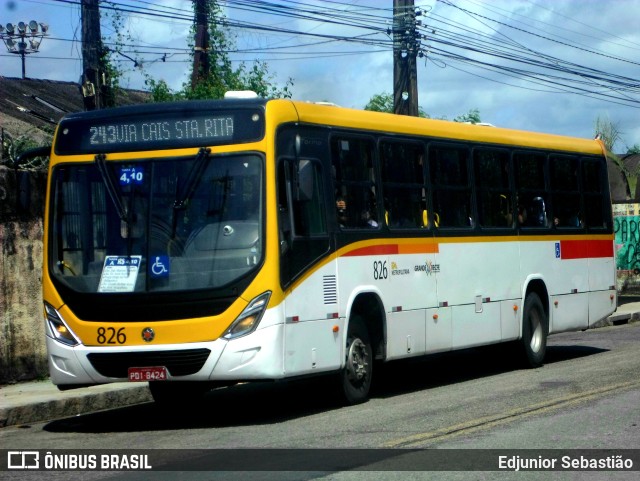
<point x="405" y="50"/>
<point x="201" y="49"/>
<point x="92" y="77"/>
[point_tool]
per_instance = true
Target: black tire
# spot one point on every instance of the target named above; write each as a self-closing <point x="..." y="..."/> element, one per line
<point x="535" y="329"/>
<point x="178" y="393"/>
<point x="355" y="377"/>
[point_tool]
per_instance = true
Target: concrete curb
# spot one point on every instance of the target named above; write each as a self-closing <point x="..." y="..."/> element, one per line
<point x="616" y="319"/>
<point x="41" y="401"/>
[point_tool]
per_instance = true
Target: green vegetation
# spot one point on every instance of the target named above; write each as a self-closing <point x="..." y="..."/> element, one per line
<point x="383" y="102"/>
<point x="222" y="76"/>
<point x="12" y="147"/>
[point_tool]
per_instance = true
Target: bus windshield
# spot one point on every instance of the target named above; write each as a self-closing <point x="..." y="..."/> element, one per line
<point x="157" y="225"/>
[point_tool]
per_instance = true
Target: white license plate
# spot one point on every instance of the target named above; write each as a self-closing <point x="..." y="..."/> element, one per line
<point x="142" y="374"/>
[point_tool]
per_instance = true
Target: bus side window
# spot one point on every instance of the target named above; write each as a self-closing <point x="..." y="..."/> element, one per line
<point x="403" y="184"/>
<point x="284" y="223"/>
<point x="494" y="198"/>
<point x="593" y="181"/>
<point x="308" y="212"/>
<point x="531" y="188"/>
<point x="451" y="191"/>
<point x="355" y="199"/>
<point x="566" y="191"/>
<point x="303" y="205"/>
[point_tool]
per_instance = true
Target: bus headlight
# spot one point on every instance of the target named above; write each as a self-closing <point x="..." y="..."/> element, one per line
<point x="57" y="327"/>
<point x="249" y="318"/>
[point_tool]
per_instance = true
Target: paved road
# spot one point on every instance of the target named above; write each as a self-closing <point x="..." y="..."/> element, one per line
<point x="37" y="401"/>
<point x="584" y="397"/>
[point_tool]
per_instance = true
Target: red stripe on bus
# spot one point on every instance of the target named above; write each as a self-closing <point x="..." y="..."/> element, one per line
<point x="373" y="250"/>
<point x="585" y="249"/>
<point x="392" y="249"/>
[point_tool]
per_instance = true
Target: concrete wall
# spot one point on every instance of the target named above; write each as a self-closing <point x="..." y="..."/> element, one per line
<point x="22" y="348"/>
<point x="626" y="222"/>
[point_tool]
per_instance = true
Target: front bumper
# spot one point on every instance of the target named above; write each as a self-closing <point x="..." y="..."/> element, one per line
<point x="258" y="355"/>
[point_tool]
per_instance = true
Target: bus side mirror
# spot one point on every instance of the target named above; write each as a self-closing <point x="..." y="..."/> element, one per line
<point x="33" y="153"/>
<point x="306" y="180"/>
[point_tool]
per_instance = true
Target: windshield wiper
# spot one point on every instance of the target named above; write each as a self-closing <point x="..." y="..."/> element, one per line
<point x="112" y="190"/>
<point x="190" y="184"/>
<point x="101" y="162"/>
<point x="193" y="177"/>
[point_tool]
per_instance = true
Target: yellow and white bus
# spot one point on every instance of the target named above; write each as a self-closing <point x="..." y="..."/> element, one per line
<point x="203" y="243"/>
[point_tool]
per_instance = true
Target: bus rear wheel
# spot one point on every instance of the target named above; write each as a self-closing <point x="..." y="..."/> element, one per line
<point x="535" y="328"/>
<point x="357" y="373"/>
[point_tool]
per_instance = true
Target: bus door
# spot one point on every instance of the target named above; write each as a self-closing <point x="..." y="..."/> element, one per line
<point x="310" y="284"/>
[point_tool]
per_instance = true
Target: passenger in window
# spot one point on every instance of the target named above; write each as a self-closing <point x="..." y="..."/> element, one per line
<point x="367" y="219"/>
<point x="399" y="213"/>
<point x="341" y="211"/>
<point x="537" y="213"/>
<point x="372" y="205"/>
<point x="465" y="220"/>
<point x="568" y="220"/>
<point x="522" y="215"/>
<point x="575" y="221"/>
<point x="505" y="216"/>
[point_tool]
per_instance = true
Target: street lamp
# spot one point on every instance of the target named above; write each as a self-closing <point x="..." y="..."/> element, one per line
<point x="23" y="38"/>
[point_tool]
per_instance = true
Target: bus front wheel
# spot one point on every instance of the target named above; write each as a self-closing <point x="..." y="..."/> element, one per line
<point x="356" y="375"/>
<point x="535" y="328"/>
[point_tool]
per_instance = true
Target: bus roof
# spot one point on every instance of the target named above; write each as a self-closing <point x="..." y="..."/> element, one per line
<point x="323" y="114"/>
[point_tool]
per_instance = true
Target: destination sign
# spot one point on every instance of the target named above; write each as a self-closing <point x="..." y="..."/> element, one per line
<point x="124" y="133"/>
<point x="158" y="131"/>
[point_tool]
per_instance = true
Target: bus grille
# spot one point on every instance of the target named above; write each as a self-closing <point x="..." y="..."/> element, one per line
<point x="178" y="363"/>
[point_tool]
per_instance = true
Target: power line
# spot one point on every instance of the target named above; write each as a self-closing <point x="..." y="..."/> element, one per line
<point x="442" y="40"/>
<point x="566" y="44"/>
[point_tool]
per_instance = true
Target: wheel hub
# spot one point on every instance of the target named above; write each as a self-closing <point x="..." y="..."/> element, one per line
<point x="357" y="360"/>
<point x="536" y="333"/>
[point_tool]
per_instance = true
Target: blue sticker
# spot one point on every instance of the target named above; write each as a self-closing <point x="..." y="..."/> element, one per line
<point x="160" y="266"/>
<point x="557" y="250"/>
<point x="131" y="175"/>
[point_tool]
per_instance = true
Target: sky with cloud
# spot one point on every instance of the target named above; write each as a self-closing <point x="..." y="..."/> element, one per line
<point x="541" y="65"/>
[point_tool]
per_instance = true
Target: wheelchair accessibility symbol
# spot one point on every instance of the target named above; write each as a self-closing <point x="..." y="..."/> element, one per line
<point x="160" y="266"/>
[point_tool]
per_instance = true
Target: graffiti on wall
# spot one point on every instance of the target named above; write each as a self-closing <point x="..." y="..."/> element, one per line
<point x="626" y="223"/>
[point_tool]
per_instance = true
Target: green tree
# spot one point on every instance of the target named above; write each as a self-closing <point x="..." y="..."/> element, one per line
<point x="109" y="56"/>
<point x="222" y="76"/>
<point x="634" y="150"/>
<point x="12" y="147"/>
<point x="472" y="117"/>
<point x="608" y="131"/>
<point x="383" y="102"/>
